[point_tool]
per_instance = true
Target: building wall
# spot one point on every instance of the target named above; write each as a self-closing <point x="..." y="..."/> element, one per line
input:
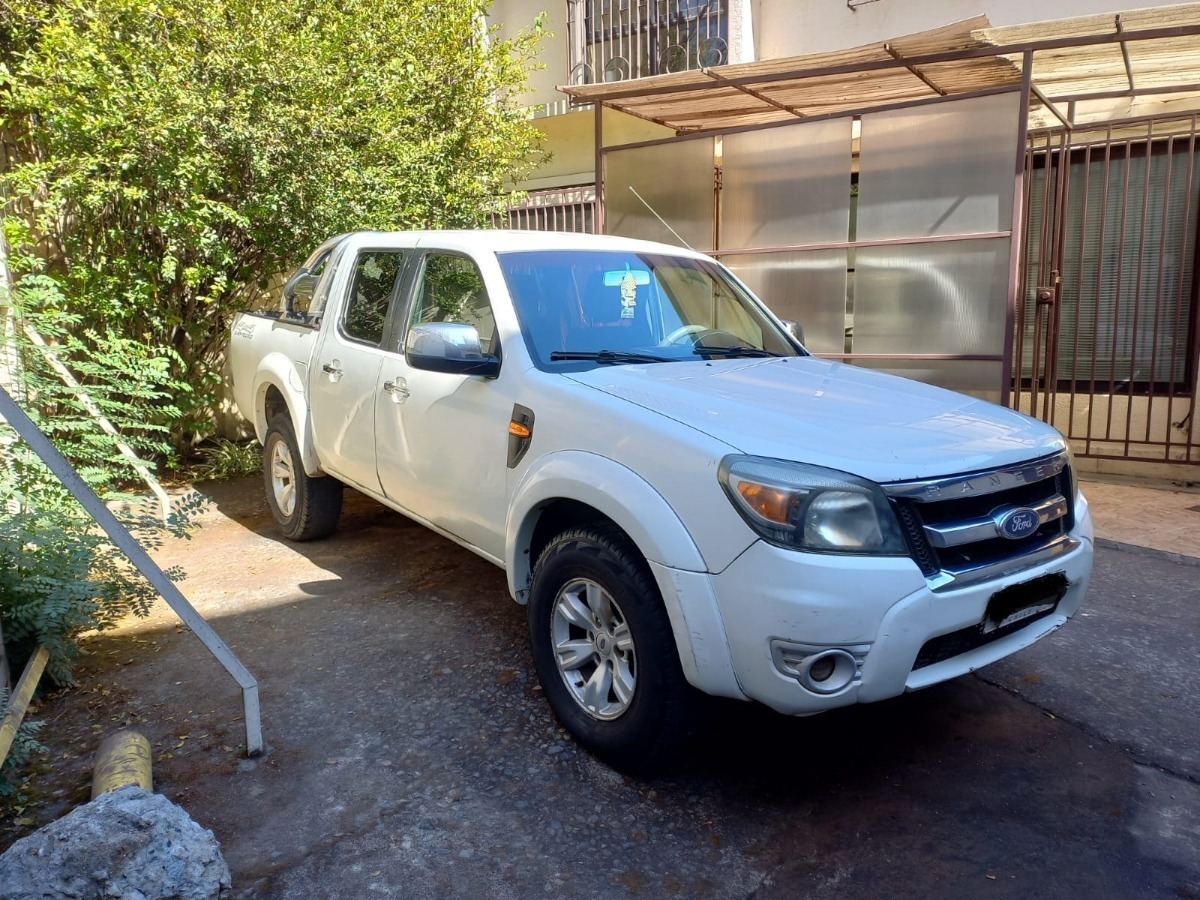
<point x="784" y="28"/>
<point x="514" y="16"/>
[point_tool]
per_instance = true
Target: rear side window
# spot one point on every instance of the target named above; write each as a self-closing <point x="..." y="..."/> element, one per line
<point x="376" y="273"/>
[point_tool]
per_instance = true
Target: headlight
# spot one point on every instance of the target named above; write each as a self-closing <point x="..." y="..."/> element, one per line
<point x="810" y="508"/>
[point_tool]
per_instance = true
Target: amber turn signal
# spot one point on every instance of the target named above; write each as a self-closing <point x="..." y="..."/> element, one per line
<point x="517" y="429"/>
<point x="771" y="503"/>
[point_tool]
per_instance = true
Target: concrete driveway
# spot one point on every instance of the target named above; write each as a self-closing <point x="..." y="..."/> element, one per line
<point x="410" y="753"/>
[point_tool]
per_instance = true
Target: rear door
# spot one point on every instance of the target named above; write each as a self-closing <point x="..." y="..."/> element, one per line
<point x="345" y="378"/>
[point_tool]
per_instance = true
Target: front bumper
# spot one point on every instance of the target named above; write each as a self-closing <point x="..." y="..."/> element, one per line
<point x="882" y="610"/>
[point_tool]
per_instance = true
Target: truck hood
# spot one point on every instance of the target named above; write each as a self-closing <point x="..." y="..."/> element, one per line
<point x="831" y="414"/>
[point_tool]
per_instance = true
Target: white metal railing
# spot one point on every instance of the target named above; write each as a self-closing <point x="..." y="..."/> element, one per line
<point x="613" y="40"/>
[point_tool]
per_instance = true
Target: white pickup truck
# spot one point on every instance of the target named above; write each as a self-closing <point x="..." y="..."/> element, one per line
<point x="682" y="495"/>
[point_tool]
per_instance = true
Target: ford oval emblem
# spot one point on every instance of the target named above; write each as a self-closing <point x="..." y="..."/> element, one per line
<point x="1018" y="523"/>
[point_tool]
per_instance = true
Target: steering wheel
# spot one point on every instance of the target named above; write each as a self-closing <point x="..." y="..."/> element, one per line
<point x="692" y="332"/>
<point x="703" y="336"/>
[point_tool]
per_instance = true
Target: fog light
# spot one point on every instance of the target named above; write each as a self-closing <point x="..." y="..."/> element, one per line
<point x="828" y="672"/>
<point x="822" y="668"/>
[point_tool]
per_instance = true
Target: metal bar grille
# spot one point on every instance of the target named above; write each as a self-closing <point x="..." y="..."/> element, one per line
<point x="615" y="40"/>
<point x="564" y="209"/>
<point x="1111" y="356"/>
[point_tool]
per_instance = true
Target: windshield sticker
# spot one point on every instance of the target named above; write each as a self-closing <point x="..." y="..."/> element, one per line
<point x="628" y="294"/>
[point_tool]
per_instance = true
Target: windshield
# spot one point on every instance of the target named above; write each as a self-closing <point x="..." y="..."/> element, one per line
<point x="591" y="307"/>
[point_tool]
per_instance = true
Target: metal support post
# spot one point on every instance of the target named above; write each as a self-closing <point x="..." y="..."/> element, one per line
<point x="119" y="534"/>
<point x="1018" y="213"/>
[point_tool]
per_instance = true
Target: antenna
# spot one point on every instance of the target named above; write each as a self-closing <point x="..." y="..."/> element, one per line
<point x="660" y="218"/>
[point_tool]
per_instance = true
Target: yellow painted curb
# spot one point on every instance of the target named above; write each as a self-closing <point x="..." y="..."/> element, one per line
<point x="123" y="758"/>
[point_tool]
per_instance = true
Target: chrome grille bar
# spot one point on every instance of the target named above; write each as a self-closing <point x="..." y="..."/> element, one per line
<point x="987" y="527"/>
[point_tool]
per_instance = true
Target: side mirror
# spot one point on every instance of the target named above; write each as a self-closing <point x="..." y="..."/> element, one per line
<point x="298" y="292"/>
<point x="450" y="347"/>
<point x="794" y="329"/>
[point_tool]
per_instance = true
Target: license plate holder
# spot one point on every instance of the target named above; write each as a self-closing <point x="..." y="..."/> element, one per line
<point x="1019" y="602"/>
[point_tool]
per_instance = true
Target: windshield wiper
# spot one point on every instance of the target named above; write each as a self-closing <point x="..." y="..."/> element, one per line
<point x="609" y="357"/>
<point x="732" y="352"/>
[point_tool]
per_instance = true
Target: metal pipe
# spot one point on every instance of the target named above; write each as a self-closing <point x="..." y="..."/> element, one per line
<point x="599" y="163"/>
<point x="1054" y="312"/>
<point x="877" y="242"/>
<point x="1087" y="185"/>
<point x="1112" y="364"/>
<point x="690" y="134"/>
<point x="1189" y="362"/>
<point x="1018" y="212"/>
<point x="1049" y="104"/>
<point x="1018" y="354"/>
<point x="119" y="535"/>
<point x="1158" y="292"/>
<point x="1099" y="280"/>
<point x="1125" y="55"/>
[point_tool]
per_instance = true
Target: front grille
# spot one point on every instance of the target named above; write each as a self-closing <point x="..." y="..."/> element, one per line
<point x="956" y="643"/>
<point x="953" y="525"/>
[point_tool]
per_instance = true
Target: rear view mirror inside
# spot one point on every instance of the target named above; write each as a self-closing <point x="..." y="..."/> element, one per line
<point x="613" y="278"/>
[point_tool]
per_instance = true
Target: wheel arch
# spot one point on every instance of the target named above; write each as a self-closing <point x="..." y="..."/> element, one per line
<point x="576" y="487"/>
<point x="278" y="389"/>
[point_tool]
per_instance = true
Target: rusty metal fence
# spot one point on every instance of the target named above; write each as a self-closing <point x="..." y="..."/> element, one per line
<point x="1107" y="334"/>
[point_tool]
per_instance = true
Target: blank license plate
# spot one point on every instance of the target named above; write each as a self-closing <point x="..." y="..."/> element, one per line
<point x="1023" y="601"/>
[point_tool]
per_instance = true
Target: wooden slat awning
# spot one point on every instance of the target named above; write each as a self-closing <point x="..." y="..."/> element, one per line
<point x="1090" y="59"/>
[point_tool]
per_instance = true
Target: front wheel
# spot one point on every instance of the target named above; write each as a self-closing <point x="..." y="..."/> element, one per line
<point x="305" y="508"/>
<point x="604" y="650"/>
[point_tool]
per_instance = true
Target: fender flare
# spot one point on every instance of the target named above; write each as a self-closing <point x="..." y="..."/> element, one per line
<point x="636" y="507"/>
<point x="608" y="487"/>
<point x="278" y="371"/>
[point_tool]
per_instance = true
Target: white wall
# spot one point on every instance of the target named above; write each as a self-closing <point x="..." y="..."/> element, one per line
<point x="514" y="16"/>
<point x="796" y="27"/>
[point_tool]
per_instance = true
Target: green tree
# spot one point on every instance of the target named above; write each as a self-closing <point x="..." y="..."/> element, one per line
<point x="172" y="157"/>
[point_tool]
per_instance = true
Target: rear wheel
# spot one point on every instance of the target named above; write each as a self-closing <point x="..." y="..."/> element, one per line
<point x="604" y="650"/>
<point x="305" y="508"/>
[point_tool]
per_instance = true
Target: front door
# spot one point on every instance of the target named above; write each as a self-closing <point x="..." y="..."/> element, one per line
<point x="443" y="439"/>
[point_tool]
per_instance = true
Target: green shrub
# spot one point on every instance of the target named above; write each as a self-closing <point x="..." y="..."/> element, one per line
<point x="60" y="575"/>
<point x="25" y="747"/>
<point x="225" y="460"/>
<point x="169" y="160"/>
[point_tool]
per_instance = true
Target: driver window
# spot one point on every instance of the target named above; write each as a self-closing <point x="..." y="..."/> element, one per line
<point x="452" y="290"/>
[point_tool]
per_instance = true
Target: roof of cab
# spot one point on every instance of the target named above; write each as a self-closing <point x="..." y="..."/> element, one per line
<point x="501" y="241"/>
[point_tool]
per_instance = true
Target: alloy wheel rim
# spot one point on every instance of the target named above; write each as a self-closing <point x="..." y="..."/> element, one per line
<point x="593" y="649"/>
<point x="283" y="478"/>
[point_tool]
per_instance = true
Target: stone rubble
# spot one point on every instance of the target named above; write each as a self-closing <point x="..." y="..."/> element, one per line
<point x="128" y="844"/>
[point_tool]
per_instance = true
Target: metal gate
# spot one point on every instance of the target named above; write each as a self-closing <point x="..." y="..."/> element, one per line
<point x="1107" y="331"/>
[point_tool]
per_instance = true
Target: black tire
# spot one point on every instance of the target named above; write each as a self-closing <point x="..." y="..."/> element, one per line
<point x="315" y="503"/>
<point x="638" y="734"/>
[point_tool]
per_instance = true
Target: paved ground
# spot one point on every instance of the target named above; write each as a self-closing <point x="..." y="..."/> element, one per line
<point x="1159" y="515"/>
<point x="410" y="752"/>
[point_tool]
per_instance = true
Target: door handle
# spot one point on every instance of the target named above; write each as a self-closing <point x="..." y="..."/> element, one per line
<point x="398" y="389"/>
<point x="333" y="370"/>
